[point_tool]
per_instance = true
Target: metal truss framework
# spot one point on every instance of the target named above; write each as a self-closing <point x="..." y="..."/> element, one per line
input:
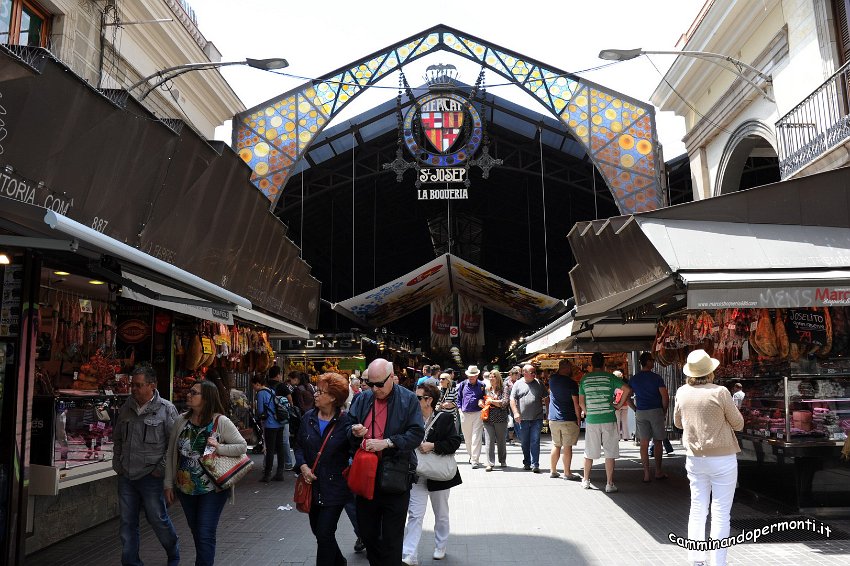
<point x="618" y="132"/>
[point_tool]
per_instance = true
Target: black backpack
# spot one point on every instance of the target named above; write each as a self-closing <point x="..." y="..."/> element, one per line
<point x="280" y="404"/>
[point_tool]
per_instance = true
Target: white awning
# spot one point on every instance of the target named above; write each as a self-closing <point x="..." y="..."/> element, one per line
<point x="122" y="251"/>
<point x="783" y="288"/>
<point x="191" y="305"/>
<point x="552" y="334"/>
<point x="290" y="330"/>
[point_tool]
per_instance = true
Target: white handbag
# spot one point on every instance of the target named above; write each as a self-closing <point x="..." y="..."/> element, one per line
<point x="440" y="467"/>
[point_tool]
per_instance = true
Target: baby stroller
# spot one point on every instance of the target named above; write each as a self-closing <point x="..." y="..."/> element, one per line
<point x="259" y="447"/>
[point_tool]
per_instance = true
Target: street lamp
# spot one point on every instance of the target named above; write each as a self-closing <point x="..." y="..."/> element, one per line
<point x="627" y="54"/>
<point x="170" y="73"/>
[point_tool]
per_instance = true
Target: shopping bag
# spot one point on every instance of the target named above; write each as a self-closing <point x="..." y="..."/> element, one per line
<point x="361" y="474"/>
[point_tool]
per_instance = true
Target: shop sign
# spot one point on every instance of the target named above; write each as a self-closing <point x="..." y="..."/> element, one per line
<point x="768" y="297"/>
<point x="806" y="326"/>
<point x="344" y="342"/>
<point x="15" y="187"/>
<point x="442" y="194"/>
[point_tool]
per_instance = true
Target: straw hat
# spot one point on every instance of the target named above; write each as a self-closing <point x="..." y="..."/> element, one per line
<point x="472" y="370"/>
<point x="700" y="364"/>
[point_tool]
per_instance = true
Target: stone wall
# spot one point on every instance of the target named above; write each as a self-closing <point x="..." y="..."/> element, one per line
<point x="74" y="510"/>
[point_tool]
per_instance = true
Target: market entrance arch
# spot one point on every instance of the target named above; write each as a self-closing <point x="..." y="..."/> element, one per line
<point x="618" y="132"/>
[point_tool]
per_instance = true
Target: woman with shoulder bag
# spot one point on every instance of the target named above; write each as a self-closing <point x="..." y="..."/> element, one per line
<point x="441" y="437"/>
<point x="322" y="450"/>
<point x="709" y="418"/>
<point x="203" y="427"/>
<point x="496" y="425"/>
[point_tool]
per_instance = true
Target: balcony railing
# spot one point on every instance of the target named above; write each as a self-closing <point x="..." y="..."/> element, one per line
<point x="816" y="125"/>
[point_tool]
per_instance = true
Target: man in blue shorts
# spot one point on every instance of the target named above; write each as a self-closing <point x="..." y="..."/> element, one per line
<point x="650" y="405"/>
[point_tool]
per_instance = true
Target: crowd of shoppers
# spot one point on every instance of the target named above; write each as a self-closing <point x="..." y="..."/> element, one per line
<point x="158" y="451"/>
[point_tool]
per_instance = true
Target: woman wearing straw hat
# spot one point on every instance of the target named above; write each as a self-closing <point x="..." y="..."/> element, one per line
<point x="709" y="418"/>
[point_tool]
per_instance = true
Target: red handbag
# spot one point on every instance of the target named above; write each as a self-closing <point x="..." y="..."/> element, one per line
<point x="303" y="496"/>
<point x="361" y="474"/>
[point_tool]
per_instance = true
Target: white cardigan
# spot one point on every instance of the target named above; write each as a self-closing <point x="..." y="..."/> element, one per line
<point x="231" y="443"/>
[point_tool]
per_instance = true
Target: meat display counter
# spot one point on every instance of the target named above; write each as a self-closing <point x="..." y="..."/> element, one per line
<point x="794" y="429"/>
<point x="71" y="439"/>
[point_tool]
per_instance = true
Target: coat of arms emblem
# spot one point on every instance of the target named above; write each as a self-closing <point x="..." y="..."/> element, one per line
<point x="442" y="122"/>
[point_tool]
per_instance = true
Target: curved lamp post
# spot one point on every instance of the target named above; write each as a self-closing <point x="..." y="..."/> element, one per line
<point x="170" y="73"/>
<point x="626" y="54"/>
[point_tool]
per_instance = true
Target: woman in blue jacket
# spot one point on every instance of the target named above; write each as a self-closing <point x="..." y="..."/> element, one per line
<point x="330" y="491"/>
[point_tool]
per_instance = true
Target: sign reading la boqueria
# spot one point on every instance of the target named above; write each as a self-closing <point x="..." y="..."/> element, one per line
<point x="769" y="297"/>
<point x="442" y="130"/>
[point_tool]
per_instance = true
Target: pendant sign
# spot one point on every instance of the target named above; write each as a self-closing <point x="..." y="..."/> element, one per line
<point x="443" y="130"/>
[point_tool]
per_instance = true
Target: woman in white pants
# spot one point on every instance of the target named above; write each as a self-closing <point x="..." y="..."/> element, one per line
<point x="709" y="418"/>
<point x="441" y="438"/>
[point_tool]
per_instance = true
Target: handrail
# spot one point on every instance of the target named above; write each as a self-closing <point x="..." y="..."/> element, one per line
<point x="816" y="125"/>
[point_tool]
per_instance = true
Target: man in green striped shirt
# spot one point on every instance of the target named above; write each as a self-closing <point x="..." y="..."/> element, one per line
<point x="596" y="399"/>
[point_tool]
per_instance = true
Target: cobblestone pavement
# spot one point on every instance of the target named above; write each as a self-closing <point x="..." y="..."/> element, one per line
<point x="504" y="517"/>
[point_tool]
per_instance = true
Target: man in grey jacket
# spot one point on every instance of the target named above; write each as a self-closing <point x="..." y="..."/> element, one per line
<point x="140" y="437"/>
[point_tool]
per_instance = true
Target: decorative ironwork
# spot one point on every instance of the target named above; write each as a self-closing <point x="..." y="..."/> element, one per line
<point x="815" y="126"/>
<point x="485" y="162"/>
<point x="399" y="165"/>
<point x="618" y="132"/>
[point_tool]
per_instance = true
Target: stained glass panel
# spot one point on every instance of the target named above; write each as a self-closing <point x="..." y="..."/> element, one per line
<point x="618" y="133"/>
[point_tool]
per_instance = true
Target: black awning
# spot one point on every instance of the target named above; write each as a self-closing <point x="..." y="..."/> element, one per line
<point x="154" y="186"/>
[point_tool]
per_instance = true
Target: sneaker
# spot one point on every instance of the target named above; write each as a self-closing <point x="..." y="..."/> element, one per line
<point x="288" y="467"/>
<point x="503" y="465"/>
<point x="670" y="452"/>
<point x="476" y="465"/>
<point x="359" y="545"/>
<point x="409" y="560"/>
<point x="488" y="469"/>
<point x="611" y="488"/>
<point x="439" y="553"/>
<point x="535" y="470"/>
<point x="585" y="484"/>
<point x="555" y="474"/>
<point x="526" y="467"/>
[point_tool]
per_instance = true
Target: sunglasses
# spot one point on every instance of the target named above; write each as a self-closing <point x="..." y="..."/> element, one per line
<point x="420" y="397"/>
<point x="379" y="384"/>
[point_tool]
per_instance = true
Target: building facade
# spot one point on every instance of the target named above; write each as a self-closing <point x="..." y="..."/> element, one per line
<point x="113" y="44"/>
<point x="745" y="129"/>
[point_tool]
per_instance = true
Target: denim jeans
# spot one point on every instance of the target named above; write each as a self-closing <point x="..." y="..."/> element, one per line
<point x="529" y="438"/>
<point x="202" y="514"/>
<point x="277" y="443"/>
<point x="713" y="479"/>
<point x="323" y="522"/>
<point x="351" y="511"/>
<point x="133" y="496"/>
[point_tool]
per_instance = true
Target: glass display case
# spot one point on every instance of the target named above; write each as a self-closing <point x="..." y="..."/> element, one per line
<point x="801" y="409"/>
<point x="72" y="438"/>
<point x="794" y="428"/>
